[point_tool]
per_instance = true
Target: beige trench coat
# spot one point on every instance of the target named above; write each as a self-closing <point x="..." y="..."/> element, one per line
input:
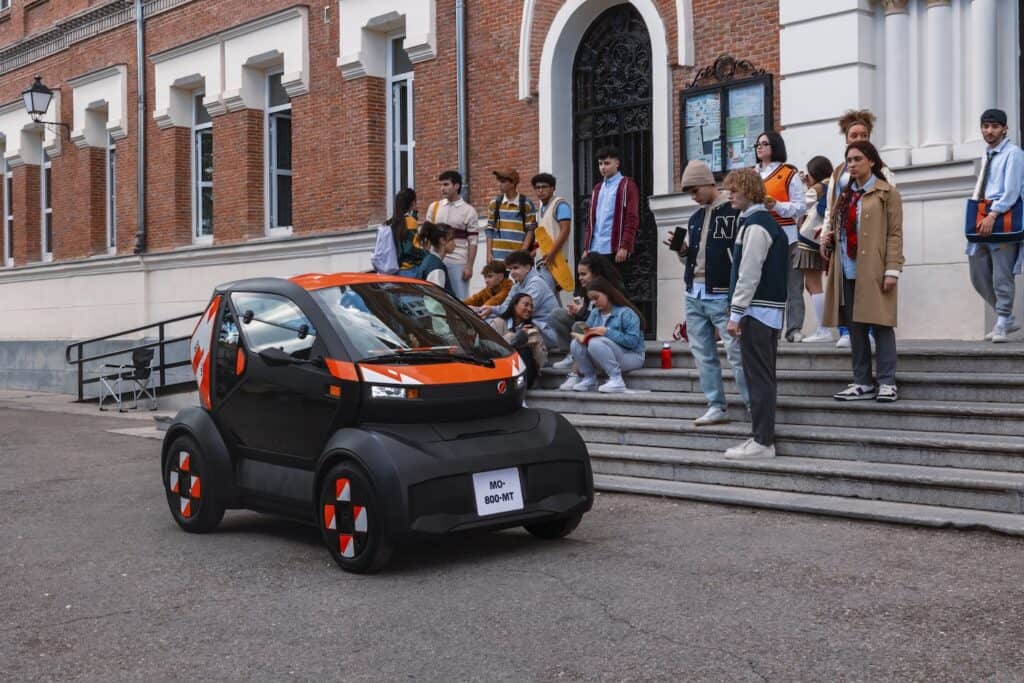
<point x="880" y="250"/>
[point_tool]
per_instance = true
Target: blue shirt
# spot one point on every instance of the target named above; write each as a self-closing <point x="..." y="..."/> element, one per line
<point x="849" y="264"/>
<point x="562" y="213"/>
<point x="700" y="291"/>
<point x="1005" y="176"/>
<point x="544" y="303"/>
<point x="604" y="217"/>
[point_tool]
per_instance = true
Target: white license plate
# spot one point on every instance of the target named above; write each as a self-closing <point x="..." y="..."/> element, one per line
<point x="497" y="491"/>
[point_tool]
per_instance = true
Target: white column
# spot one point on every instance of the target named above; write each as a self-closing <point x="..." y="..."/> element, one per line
<point x="938" y="68"/>
<point x="983" y="63"/>
<point x="897" y="76"/>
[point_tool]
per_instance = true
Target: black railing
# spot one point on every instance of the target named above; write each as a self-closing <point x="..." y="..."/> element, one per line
<point x="161" y="344"/>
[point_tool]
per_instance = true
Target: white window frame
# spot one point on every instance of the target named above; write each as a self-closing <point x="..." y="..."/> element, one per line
<point x="111" y="195"/>
<point x="394" y="148"/>
<point x="197" y="183"/>
<point x="5" y="5"/>
<point x="8" y="176"/>
<point x="270" y="161"/>
<point x="46" y="208"/>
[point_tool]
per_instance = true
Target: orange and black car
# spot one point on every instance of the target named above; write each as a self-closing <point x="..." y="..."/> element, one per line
<point x="376" y="407"/>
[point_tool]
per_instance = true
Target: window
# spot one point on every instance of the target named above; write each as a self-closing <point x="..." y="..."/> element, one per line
<point x="722" y="119"/>
<point x="5" y="4"/>
<point x="202" y="170"/>
<point x="8" y="214"/>
<point x="272" y="321"/>
<point x="227" y="364"/>
<point x="111" y="196"/>
<point x="400" y="128"/>
<point x="46" y="195"/>
<point x="279" y="154"/>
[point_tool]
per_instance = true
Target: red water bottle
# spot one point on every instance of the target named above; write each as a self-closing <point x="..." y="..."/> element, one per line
<point x="666" y="356"/>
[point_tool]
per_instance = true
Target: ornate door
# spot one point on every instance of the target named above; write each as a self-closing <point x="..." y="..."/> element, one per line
<point x="612" y="106"/>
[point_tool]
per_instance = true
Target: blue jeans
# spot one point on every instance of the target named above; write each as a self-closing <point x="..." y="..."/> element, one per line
<point x="703" y="317"/>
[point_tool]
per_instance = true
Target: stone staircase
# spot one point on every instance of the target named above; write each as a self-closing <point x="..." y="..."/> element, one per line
<point x="949" y="453"/>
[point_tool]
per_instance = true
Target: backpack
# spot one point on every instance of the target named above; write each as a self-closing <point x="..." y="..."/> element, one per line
<point x="385" y="258"/>
<point x="497" y="209"/>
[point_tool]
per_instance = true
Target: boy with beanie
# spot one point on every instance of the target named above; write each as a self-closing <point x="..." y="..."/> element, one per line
<point x="994" y="264"/>
<point x="705" y="257"/>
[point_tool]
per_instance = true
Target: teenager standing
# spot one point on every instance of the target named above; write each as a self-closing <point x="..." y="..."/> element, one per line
<point x="614" y="214"/>
<point x="808" y="248"/>
<point x="453" y="210"/>
<point x="994" y="264"/>
<point x="784" y="198"/>
<point x="864" y="243"/>
<point x="759" y="279"/>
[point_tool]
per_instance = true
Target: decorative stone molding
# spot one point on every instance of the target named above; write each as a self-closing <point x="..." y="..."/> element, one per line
<point x="894" y="6"/>
<point x="99" y="106"/>
<point x="231" y="66"/>
<point x="938" y="3"/>
<point x="294" y="83"/>
<point x="364" y="28"/>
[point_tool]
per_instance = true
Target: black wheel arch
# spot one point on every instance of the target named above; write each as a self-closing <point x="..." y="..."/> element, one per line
<point x="198" y="424"/>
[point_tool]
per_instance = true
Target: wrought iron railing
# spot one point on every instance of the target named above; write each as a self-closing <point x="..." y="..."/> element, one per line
<point x="77" y="28"/>
<point x="162" y="344"/>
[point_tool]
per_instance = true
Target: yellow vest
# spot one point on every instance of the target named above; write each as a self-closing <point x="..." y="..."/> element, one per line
<point x="547" y="230"/>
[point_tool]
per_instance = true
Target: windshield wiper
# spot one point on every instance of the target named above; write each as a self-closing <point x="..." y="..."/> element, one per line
<point x="428" y="355"/>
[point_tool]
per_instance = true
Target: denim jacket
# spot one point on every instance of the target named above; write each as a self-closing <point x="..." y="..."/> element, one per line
<point x="623" y="327"/>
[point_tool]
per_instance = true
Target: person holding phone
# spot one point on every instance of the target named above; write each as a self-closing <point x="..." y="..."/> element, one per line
<point x="704" y="248"/>
<point x="516" y="326"/>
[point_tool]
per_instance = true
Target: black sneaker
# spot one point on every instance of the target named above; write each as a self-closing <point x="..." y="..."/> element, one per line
<point x="857" y="392"/>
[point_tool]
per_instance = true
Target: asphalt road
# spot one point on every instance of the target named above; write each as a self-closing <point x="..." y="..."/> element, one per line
<point x="99" y="584"/>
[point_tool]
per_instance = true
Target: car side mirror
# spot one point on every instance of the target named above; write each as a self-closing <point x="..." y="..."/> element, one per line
<point x="303" y="331"/>
<point x="247" y="317"/>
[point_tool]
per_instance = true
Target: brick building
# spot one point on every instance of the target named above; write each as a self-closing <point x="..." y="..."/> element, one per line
<point x="276" y="132"/>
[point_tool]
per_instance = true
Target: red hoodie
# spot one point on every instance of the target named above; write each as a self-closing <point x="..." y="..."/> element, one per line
<point x="627" y="215"/>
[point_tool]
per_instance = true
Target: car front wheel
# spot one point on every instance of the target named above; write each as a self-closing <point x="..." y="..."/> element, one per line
<point x="351" y="521"/>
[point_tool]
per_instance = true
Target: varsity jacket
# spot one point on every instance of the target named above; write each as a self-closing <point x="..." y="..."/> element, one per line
<point x="627" y="215"/>
<point x="718" y="259"/>
<point x="760" y="265"/>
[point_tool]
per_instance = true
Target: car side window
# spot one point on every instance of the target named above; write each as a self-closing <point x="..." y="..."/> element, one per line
<point x="273" y="321"/>
<point x="226" y="359"/>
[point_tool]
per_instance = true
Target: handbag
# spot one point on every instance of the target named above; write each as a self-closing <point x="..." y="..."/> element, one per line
<point x="1009" y="226"/>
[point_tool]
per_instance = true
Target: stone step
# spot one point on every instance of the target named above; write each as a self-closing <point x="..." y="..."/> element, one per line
<point x="914" y="386"/>
<point x="945" y="487"/>
<point x="906" y="447"/>
<point x="931" y="416"/>
<point x="855" y="508"/>
<point x="914" y="356"/>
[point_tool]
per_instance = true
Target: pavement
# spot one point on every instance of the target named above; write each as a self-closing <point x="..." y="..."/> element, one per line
<point x="101" y="585"/>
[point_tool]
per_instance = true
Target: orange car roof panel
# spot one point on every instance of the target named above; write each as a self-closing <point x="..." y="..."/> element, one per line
<point x="314" y="281"/>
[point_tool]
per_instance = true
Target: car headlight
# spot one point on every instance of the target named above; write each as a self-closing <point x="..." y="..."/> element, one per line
<point x="393" y="392"/>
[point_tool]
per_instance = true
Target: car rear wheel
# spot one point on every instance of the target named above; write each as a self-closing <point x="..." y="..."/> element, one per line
<point x="351" y="521"/>
<point x="192" y="491"/>
<point x="555" y="528"/>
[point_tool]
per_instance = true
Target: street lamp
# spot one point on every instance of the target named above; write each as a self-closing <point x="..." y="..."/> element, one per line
<point x="37" y="102"/>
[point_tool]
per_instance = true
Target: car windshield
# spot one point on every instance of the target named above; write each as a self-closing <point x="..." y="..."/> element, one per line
<point x="388" y="319"/>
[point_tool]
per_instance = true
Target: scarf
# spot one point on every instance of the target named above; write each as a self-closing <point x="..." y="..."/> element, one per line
<point x="851" y="223"/>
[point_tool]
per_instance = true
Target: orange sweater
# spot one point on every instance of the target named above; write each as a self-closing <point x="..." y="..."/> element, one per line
<point x="489" y="297"/>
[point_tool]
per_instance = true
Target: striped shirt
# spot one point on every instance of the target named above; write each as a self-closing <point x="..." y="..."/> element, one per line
<point x="505" y="225"/>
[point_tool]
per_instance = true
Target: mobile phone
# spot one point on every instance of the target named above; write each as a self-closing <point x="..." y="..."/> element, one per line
<point x="678" y="239"/>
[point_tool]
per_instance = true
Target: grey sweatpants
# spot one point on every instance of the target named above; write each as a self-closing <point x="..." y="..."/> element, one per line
<point x="992" y="274"/>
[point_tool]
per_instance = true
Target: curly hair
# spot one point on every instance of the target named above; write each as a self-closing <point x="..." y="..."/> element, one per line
<point x="746" y="181"/>
<point x="855" y="117"/>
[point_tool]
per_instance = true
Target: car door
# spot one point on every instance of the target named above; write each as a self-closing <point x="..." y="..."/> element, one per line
<point x="275" y="408"/>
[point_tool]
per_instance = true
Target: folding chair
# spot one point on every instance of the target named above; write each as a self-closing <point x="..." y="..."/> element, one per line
<point x="138" y="375"/>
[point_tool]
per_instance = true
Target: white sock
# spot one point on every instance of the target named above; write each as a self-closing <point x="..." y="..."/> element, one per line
<point x="818" y="301"/>
<point x="1002" y="321"/>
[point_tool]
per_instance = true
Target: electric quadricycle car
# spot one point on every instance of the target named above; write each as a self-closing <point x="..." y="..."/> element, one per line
<point x="376" y="407"/>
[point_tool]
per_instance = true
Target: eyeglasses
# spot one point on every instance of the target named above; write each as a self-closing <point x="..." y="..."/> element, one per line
<point x="763" y="144"/>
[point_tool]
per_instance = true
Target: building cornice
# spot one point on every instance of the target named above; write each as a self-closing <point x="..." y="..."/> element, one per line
<point x="297" y="12"/>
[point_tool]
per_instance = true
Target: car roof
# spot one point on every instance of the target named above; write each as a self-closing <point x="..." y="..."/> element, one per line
<point x="308" y="281"/>
<point x="314" y="281"/>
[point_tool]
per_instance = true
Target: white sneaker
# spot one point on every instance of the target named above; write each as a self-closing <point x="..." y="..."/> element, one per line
<point x="822" y="334"/>
<point x="999" y="334"/>
<point x="614" y="385"/>
<point x="564" y="364"/>
<point x="714" y="416"/>
<point x="585" y="384"/>
<point x="570" y="382"/>
<point x="857" y="392"/>
<point x="750" y="449"/>
<point x="887" y="393"/>
<point x="1010" y="328"/>
<point x="844" y="342"/>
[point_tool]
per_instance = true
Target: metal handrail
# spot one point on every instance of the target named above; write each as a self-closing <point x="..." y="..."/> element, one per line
<point x="161" y="344"/>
